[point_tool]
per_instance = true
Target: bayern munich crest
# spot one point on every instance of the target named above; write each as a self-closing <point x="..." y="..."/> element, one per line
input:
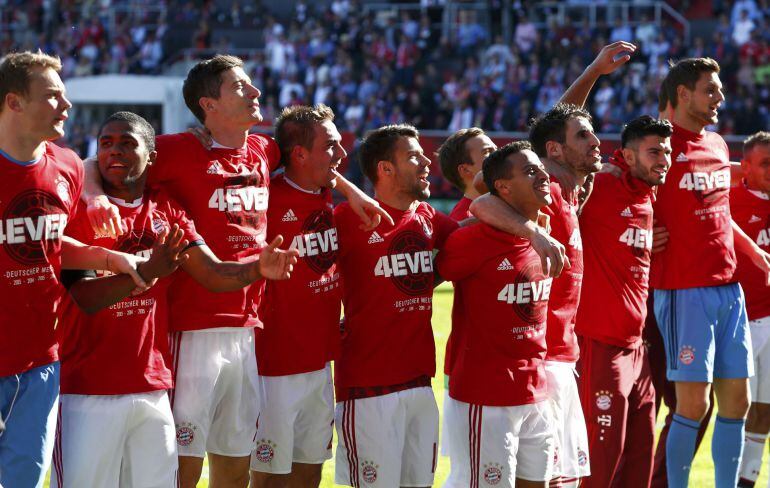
<point x="158" y="225"/>
<point x="63" y="189"/>
<point x="603" y="400"/>
<point x="369" y="471"/>
<point x="582" y="457"/>
<point x="687" y="354"/>
<point x="265" y="451"/>
<point x="493" y="473"/>
<point x="185" y="434"/>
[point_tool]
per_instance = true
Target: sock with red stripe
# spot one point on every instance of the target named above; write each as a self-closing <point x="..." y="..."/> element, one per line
<point x="751" y="462"/>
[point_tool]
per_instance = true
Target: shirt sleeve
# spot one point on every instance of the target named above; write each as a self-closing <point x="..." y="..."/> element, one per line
<point x="169" y="149"/>
<point x="443" y="227"/>
<point x="179" y="217"/>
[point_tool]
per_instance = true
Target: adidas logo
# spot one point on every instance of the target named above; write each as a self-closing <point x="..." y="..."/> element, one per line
<point x="214" y="168"/>
<point x="626" y="212"/>
<point x="289" y="216"/>
<point x="753" y="219"/>
<point x="504" y="265"/>
<point x="375" y="238"/>
<point x="681" y="158"/>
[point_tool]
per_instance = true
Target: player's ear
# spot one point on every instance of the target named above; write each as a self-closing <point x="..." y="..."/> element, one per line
<point x="501" y="187"/>
<point x="553" y="149"/>
<point x="207" y="104"/>
<point x="682" y="94"/>
<point x="298" y="154"/>
<point x="13" y="101"/>
<point x="629" y="156"/>
<point x="385" y="168"/>
<point x="151" y="157"/>
<point x="465" y="170"/>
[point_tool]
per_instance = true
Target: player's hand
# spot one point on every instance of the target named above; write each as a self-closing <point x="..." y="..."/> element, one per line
<point x="612" y="57"/>
<point x="611" y="169"/>
<point x="167" y="254"/>
<point x="104" y="217"/>
<point x="368" y="210"/>
<point x="203" y="135"/>
<point x="277" y="264"/>
<point x="553" y="255"/>
<point x="659" y="237"/>
<point x="123" y="263"/>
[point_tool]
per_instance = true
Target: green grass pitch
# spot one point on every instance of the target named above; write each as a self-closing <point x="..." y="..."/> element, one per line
<point x="702" y="475"/>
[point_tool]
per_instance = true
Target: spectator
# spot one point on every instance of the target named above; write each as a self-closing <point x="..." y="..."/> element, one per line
<point x="743" y="28"/>
<point x="646" y="31"/>
<point x="621" y="31"/>
<point x="525" y="35"/>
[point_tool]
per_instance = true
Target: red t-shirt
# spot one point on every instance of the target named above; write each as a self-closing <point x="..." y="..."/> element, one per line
<point x="616" y="225"/>
<point x="502" y="295"/>
<point x="461" y="210"/>
<point x="37" y="202"/>
<point x="459" y="213"/>
<point x="694" y="206"/>
<point x="387" y="279"/>
<point x="123" y="348"/>
<point x="301" y="314"/>
<point x="751" y="211"/>
<point x="225" y="192"/>
<point x="565" y="294"/>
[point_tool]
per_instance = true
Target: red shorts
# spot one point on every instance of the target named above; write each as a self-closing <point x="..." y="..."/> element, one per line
<point x="619" y="407"/>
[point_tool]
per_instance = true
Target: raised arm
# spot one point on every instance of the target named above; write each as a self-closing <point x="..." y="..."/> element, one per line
<point x="493" y="211"/>
<point x="610" y="58"/>
<point x="220" y="276"/>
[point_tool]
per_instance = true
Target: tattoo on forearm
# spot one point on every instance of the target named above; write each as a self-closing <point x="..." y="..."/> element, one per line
<point x="239" y="272"/>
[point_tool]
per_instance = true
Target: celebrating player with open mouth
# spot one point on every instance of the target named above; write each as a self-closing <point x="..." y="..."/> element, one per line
<point x="386" y="416"/>
<point x="614" y="374"/>
<point x="115" y="368"/>
<point x="499" y="416"/>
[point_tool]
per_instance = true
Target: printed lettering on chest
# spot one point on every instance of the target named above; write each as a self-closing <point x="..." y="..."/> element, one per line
<point x="528" y="295"/>
<point x="705" y="182"/>
<point x="243" y="198"/>
<point x="408" y="263"/>
<point x="32" y="223"/>
<point x="638" y="240"/>
<point x="318" y="243"/>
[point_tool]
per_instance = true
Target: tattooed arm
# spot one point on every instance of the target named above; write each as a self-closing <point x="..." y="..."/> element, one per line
<point x="219" y="276"/>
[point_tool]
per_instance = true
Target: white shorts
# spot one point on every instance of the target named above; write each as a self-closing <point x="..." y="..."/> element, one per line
<point x="760" y="343"/>
<point x="492" y="446"/>
<point x="571" y="457"/>
<point x="296" y="421"/>
<point x="108" y="441"/>
<point x="216" y="395"/>
<point x="444" y="448"/>
<point x="387" y="441"/>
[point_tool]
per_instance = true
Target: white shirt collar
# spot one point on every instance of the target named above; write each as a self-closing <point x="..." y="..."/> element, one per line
<point x="297" y="187"/>
<point x="120" y="202"/>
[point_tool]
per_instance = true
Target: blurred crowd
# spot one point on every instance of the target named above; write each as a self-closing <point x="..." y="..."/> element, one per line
<point x="375" y="69"/>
